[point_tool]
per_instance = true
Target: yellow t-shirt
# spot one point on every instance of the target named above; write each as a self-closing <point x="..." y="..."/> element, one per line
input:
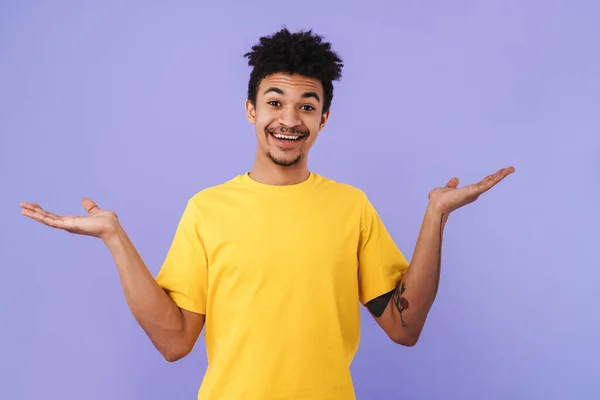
<point x="279" y="272"/>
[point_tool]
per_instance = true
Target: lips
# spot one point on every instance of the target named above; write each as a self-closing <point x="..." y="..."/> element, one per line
<point x="282" y="136"/>
<point x="287" y="140"/>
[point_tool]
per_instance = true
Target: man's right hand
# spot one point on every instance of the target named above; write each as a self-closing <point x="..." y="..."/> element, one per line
<point x="172" y="330"/>
<point x="98" y="223"/>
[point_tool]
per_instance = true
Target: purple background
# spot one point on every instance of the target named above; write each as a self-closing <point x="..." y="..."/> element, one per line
<point x="139" y="106"/>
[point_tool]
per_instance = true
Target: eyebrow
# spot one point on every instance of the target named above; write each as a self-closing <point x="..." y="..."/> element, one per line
<point x="305" y="95"/>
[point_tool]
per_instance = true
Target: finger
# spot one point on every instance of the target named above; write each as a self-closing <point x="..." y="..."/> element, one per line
<point x="491" y="180"/>
<point x="90" y="206"/>
<point x="501" y="174"/>
<point x="506" y="171"/>
<point x="38" y="214"/>
<point x="36" y="208"/>
<point x="486" y="184"/>
<point x="44" y="218"/>
<point x="452" y="183"/>
<point x="29" y="206"/>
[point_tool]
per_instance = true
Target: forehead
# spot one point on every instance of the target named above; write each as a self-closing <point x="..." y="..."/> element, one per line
<point x="290" y="84"/>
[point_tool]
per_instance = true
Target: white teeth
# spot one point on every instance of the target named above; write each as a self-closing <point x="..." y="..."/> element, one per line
<point x="280" y="136"/>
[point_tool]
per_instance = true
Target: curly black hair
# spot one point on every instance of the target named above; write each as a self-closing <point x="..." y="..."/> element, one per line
<point x="302" y="53"/>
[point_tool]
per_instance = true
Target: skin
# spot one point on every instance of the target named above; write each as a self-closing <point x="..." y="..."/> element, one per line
<point x="402" y="312"/>
<point x="295" y="104"/>
<point x="285" y="104"/>
<point x="172" y="330"/>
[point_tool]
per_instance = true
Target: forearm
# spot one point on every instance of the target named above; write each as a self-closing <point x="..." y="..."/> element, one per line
<point x="415" y="295"/>
<point x="152" y="308"/>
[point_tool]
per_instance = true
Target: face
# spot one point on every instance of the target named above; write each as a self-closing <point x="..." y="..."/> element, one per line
<point x="287" y="117"/>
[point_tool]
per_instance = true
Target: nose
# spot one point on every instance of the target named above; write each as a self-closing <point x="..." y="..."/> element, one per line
<point x="289" y="117"/>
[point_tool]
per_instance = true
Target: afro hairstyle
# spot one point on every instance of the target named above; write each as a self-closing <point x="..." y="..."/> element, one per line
<point x="303" y="53"/>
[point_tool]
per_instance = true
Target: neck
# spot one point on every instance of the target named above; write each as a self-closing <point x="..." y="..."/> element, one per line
<point x="267" y="172"/>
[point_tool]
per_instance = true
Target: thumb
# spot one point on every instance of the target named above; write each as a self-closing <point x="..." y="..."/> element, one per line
<point x="90" y="206"/>
<point x="452" y="183"/>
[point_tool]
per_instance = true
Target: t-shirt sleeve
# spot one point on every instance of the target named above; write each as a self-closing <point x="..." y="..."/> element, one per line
<point x="184" y="273"/>
<point x="381" y="265"/>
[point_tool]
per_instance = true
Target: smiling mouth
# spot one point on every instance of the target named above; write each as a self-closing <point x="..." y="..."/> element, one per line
<point x="290" y="138"/>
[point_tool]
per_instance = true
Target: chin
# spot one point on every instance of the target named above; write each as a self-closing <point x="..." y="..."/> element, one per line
<point x="285" y="161"/>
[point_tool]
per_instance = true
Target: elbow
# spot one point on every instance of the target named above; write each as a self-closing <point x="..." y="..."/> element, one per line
<point x="172" y="357"/>
<point x="405" y="339"/>
<point x="408" y="342"/>
<point x="174" y="353"/>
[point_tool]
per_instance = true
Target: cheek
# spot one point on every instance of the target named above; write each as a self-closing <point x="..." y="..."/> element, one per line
<point x="265" y="117"/>
<point x="315" y="125"/>
<point x="260" y="125"/>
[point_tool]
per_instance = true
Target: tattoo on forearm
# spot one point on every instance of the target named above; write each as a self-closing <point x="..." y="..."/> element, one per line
<point x="378" y="305"/>
<point x="400" y="301"/>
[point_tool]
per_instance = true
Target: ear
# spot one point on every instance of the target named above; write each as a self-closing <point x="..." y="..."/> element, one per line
<point x="250" y="112"/>
<point x="324" y="118"/>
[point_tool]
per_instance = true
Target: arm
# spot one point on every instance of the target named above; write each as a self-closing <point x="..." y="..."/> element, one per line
<point x="402" y="312"/>
<point x="172" y="330"/>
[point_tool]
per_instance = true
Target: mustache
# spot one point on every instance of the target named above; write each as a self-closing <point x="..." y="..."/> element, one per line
<point x="285" y="129"/>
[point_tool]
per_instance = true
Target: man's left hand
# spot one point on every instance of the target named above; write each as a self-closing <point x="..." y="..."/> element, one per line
<point x="450" y="197"/>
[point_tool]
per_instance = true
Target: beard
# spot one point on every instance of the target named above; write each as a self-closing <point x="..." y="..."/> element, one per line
<point x="283" y="162"/>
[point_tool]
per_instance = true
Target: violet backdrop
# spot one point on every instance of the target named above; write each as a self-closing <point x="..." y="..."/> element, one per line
<point x="139" y="105"/>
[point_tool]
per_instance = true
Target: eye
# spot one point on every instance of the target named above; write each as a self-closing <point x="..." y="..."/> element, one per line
<point x="308" y="107"/>
<point x="274" y="103"/>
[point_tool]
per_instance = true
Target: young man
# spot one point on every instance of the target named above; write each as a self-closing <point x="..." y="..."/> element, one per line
<point x="275" y="262"/>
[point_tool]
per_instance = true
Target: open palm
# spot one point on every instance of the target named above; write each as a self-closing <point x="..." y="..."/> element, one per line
<point x="97" y="223"/>
<point x="450" y="197"/>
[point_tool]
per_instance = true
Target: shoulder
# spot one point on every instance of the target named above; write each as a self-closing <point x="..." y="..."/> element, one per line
<point x="343" y="190"/>
<point x="215" y="193"/>
<point x="231" y="185"/>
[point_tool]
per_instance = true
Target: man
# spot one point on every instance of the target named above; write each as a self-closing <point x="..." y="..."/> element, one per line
<point x="275" y="262"/>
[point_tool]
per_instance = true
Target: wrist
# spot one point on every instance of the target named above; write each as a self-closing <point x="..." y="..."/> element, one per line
<point x="112" y="236"/>
<point x="437" y="208"/>
<point x="437" y="212"/>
